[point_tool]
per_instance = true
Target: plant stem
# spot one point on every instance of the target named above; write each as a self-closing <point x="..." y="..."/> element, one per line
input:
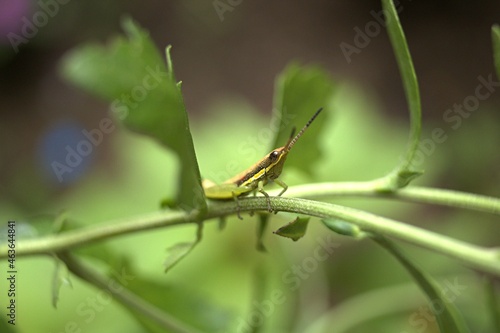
<point x="484" y="259"/>
<point x="75" y="238"/>
<point x="418" y="194"/>
<point x="127" y="298"/>
<point x="397" y="178"/>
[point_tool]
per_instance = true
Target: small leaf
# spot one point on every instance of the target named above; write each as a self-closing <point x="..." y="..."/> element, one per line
<point x="406" y="176"/>
<point x="60" y="278"/>
<point x="294" y="230"/>
<point x="399" y="178"/>
<point x="181" y="250"/>
<point x="344" y="228"/>
<point x="449" y="319"/>
<point x="144" y="95"/>
<point x="60" y="222"/>
<point x="261" y="228"/>
<point x="299" y="93"/>
<point x="166" y="203"/>
<point x="177" y="253"/>
<point x="222" y="223"/>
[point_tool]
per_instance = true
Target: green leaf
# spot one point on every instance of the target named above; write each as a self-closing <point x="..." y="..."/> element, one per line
<point x="344" y="228"/>
<point x="222" y="223"/>
<point x="412" y="93"/>
<point x="406" y="176"/>
<point x="181" y="250"/>
<point x="60" y="222"/>
<point x="261" y="228"/>
<point x="495" y="36"/>
<point x="295" y="229"/>
<point x="177" y="252"/>
<point x="60" y="278"/>
<point x="449" y="319"/>
<point x="145" y="96"/>
<point x="299" y="93"/>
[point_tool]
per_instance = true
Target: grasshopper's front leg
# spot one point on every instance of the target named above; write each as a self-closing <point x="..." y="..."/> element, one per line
<point x="282" y="184"/>
<point x="260" y="187"/>
<point x="235" y="198"/>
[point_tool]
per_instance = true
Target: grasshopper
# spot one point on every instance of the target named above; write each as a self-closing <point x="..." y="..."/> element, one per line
<point x="253" y="179"/>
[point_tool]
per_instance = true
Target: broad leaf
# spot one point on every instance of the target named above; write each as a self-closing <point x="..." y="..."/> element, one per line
<point x="299" y="93"/>
<point x="145" y="96"/>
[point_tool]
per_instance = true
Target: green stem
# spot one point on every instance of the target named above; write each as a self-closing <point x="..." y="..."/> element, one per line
<point x="404" y="173"/>
<point x="75" y="238"/>
<point x="127" y="298"/>
<point x="417" y="194"/>
<point x="484" y="259"/>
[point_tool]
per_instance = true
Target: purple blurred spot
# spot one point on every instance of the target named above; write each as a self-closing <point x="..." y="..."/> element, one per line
<point x="65" y="153"/>
<point x="11" y="13"/>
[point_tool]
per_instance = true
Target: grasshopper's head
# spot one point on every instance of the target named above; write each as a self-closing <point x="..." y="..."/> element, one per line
<point x="276" y="159"/>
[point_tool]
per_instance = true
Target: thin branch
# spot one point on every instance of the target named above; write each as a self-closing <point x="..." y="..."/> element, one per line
<point x="417" y="194"/>
<point x="124" y="296"/>
<point x="484" y="259"/>
<point x="75" y="238"/>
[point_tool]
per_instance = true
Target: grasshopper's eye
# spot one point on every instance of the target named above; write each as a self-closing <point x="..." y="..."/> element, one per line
<point x="273" y="155"/>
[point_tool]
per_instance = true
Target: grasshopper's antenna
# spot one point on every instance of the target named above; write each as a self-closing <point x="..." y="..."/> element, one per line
<point x="291" y="142"/>
<point x="291" y="136"/>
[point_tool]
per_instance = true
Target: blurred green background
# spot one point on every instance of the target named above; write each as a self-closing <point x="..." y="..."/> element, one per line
<point x="228" y="69"/>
